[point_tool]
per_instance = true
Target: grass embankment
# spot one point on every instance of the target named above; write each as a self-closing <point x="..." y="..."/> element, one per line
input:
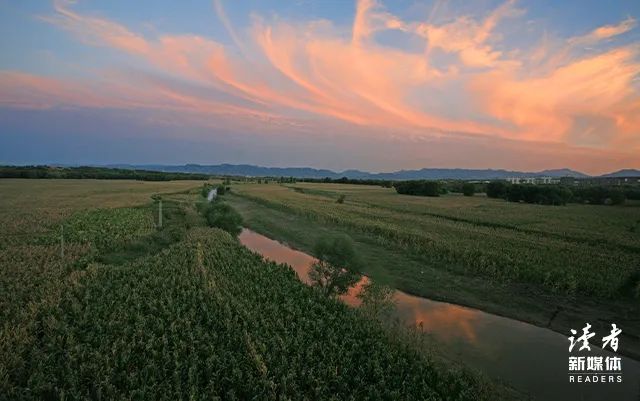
<point x="281" y="215"/>
<point x="135" y="313"/>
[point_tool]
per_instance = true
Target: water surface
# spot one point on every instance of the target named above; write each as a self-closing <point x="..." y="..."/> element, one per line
<point x="531" y="359"/>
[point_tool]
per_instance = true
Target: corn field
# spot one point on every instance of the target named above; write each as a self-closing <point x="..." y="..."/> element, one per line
<point x="203" y="319"/>
<point x="208" y="319"/>
<point x="473" y="237"/>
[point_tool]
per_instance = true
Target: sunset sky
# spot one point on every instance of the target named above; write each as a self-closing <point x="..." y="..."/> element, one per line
<point x="372" y="85"/>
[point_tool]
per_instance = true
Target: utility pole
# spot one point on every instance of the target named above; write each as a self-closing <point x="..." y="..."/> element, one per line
<point x="160" y="213"/>
<point x="61" y="241"/>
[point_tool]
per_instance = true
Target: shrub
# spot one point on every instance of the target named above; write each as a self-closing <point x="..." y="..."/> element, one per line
<point x="420" y="188"/>
<point x="496" y="189"/>
<point x="225" y="217"/>
<point x="377" y="301"/>
<point x="205" y="190"/>
<point x="540" y="194"/>
<point x="617" y="197"/>
<point x="340" y="199"/>
<point x="468" y="189"/>
<point x="598" y="195"/>
<point x="632" y="193"/>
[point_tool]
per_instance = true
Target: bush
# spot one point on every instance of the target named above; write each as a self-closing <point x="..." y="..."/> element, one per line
<point x="223" y="216"/>
<point x="632" y="193"/>
<point x="617" y="197"/>
<point x="420" y="188"/>
<point x="205" y="190"/>
<point x="221" y="190"/>
<point x="540" y="194"/>
<point x="377" y="301"/>
<point x="598" y="195"/>
<point x="340" y="199"/>
<point x="496" y="189"/>
<point x="468" y="189"/>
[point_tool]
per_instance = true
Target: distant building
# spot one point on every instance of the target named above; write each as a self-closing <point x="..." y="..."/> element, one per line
<point x="533" y="180"/>
<point x="547" y="180"/>
<point x="569" y="181"/>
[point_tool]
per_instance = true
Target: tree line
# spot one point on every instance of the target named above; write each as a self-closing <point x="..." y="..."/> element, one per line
<point x="527" y="193"/>
<point x="99" y="173"/>
<point x="559" y="195"/>
<point x="345" y="180"/>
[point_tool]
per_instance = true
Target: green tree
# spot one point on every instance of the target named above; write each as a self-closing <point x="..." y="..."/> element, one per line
<point x="468" y="189"/>
<point x="377" y="300"/>
<point x="419" y="188"/>
<point x="336" y="268"/>
<point x="497" y="189"/>
<point x="617" y="197"/>
<point x="223" y="216"/>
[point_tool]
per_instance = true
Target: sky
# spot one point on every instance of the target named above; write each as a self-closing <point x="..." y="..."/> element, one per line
<point x="370" y="84"/>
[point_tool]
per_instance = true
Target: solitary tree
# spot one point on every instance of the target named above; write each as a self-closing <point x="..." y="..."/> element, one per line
<point x="377" y="300"/>
<point x="336" y="268"/>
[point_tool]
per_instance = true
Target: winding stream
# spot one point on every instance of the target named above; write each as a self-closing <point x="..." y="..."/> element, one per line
<point x="531" y="359"/>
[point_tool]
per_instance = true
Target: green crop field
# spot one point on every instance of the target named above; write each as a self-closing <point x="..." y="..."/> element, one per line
<point x="184" y="312"/>
<point x="31" y="206"/>
<point x="553" y="266"/>
<point x="576" y="249"/>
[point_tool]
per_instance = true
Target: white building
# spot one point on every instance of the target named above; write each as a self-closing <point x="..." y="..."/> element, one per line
<point x="533" y="180"/>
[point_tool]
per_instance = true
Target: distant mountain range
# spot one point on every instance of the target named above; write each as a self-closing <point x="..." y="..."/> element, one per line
<point x="627" y="172"/>
<point x="249" y="170"/>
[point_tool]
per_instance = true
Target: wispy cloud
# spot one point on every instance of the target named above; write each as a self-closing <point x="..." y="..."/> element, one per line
<point x="605" y="32"/>
<point x="466" y="79"/>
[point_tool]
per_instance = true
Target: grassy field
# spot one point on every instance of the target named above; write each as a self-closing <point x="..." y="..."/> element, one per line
<point x="552" y="266"/>
<point x="185" y="312"/>
<point x="32" y="206"/>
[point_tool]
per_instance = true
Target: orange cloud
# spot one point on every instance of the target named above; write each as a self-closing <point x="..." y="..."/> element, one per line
<point x="460" y="82"/>
<point x="468" y="37"/>
<point x="605" y="32"/>
<point x="96" y="31"/>
<point x="548" y="106"/>
<point x="20" y="90"/>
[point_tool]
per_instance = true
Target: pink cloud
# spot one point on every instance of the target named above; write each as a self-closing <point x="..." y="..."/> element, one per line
<point x="548" y="105"/>
<point x="301" y="73"/>
<point x="605" y="32"/>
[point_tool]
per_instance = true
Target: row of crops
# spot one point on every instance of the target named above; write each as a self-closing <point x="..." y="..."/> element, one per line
<point x="35" y="275"/>
<point x="617" y="227"/>
<point x="105" y="229"/>
<point x="562" y="265"/>
<point x="208" y="319"/>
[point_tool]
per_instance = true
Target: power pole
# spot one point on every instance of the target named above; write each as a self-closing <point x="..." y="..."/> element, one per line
<point x="160" y="213"/>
